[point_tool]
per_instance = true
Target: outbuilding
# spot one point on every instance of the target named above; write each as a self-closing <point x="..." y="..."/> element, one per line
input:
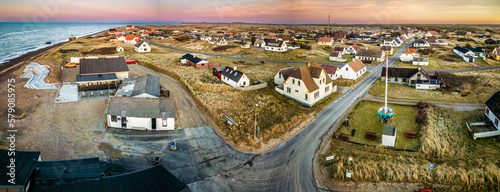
<point x="389" y="136"/>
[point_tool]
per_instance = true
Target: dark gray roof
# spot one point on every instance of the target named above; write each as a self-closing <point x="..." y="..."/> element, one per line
<point x="139" y="43"/>
<point x="153" y="179"/>
<point x="149" y="84"/>
<point x="477" y="50"/>
<point x="461" y="49"/>
<point x="67" y="171"/>
<point x="494" y="104"/>
<point x="192" y="58"/>
<point x="389" y="130"/>
<point x="422" y="41"/>
<point x="25" y="163"/>
<point x="92" y="78"/>
<point x="273" y="43"/>
<point x="141" y="107"/>
<point x="369" y="53"/>
<point x="103" y="65"/>
<point x="232" y="74"/>
<point x="400" y="72"/>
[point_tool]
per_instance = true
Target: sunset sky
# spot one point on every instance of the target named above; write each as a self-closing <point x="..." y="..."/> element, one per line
<point x="260" y="11"/>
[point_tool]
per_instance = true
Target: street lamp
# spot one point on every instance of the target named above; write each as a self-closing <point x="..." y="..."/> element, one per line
<point x="255" y="128"/>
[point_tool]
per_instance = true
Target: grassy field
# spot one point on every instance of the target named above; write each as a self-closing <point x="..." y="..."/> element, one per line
<point x="460" y="163"/>
<point x="364" y="118"/>
<point x="280" y="116"/>
<point x="479" y="88"/>
<point x="439" y="58"/>
<point x="348" y="83"/>
<point x="191" y="44"/>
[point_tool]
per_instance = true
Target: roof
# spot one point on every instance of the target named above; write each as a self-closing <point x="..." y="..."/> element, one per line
<point x="139" y="43"/>
<point x="338" y="49"/>
<point x="149" y="84"/>
<point x="232" y="74"/>
<point x="273" y="43"/>
<point x="103" y="65"/>
<point x="410" y="51"/>
<point x="192" y="58"/>
<point x="477" y="49"/>
<point x="386" y="48"/>
<point x="141" y="107"/>
<point x="330" y="69"/>
<point x="304" y="74"/>
<point x="66" y="171"/>
<point x="153" y="179"/>
<point x="461" y="49"/>
<point x="355" y="46"/>
<point x="131" y="37"/>
<point x="369" y="53"/>
<point x="494" y="104"/>
<point x="325" y="39"/>
<point x="25" y="163"/>
<point x="339" y="35"/>
<point x="335" y="54"/>
<point x="315" y="70"/>
<point x="422" y="41"/>
<point x="399" y="72"/>
<point x="96" y="78"/>
<point x="356" y="65"/>
<point x="389" y="130"/>
<point x="286" y="72"/>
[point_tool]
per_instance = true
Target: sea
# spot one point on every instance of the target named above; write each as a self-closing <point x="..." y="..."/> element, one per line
<point x="18" y="38"/>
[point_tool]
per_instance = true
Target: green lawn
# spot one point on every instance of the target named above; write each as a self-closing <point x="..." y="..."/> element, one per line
<point x="364" y="118"/>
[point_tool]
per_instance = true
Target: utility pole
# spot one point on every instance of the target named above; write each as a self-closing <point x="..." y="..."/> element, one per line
<point x="328" y="18"/>
<point x="255" y="128"/>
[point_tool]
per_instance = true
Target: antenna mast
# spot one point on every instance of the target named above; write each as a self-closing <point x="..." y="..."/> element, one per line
<point x="386" y="79"/>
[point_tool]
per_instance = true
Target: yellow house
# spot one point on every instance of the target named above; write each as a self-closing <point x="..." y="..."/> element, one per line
<point x="495" y="54"/>
<point x="388" y="50"/>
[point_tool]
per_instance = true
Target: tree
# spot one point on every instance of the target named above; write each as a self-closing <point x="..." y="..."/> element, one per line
<point x="253" y="39"/>
<point x="468" y="45"/>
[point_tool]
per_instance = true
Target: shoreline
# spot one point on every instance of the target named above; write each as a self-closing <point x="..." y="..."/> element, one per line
<point x="15" y="63"/>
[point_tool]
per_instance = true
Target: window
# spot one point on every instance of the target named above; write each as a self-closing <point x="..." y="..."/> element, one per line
<point x="306" y="97"/>
<point x="327" y="89"/>
<point x="164" y="122"/>
<point x="279" y="74"/>
<point x="316" y="94"/>
<point x="496" y="122"/>
<point x="487" y="111"/>
<point x="346" y="69"/>
<point x="396" y="79"/>
<point x="293" y="81"/>
<point x="113" y="118"/>
<point x="288" y="90"/>
<point x="298" y="83"/>
<point x="296" y="91"/>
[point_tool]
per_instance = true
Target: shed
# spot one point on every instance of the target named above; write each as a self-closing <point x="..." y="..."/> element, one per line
<point x="389" y="136"/>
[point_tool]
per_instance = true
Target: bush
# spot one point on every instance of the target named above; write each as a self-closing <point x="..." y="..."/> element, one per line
<point x="465" y="39"/>
<point x="422" y="111"/>
<point x="223" y="48"/>
<point x="182" y="38"/>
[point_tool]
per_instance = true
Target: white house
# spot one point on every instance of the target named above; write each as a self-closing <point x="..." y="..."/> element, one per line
<point x="336" y="56"/>
<point x="421" y="61"/>
<point x="325" y="41"/>
<point x="307" y="85"/>
<point x="342" y="50"/>
<point x="353" y="70"/>
<point x="275" y="46"/>
<point x="421" y="43"/>
<point x="235" y="78"/>
<point x="219" y="40"/>
<point x="467" y="54"/>
<point x="141" y="113"/>
<point x="282" y="75"/>
<point x="120" y="37"/>
<point x="142" y="46"/>
<point x="492" y="109"/>
<point x="389" y="136"/>
<point x="370" y="55"/>
<point x="206" y="38"/>
<point x="408" y="55"/>
<point x="353" y="49"/>
<point x="259" y="43"/>
<point x="119" y="48"/>
<point x="131" y="39"/>
<point x="332" y="71"/>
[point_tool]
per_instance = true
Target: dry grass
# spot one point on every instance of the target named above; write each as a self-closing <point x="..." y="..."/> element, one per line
<point x="349" y="83"/>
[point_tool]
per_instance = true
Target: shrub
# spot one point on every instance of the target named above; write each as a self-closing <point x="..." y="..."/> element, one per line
<point x="182" y="38"/>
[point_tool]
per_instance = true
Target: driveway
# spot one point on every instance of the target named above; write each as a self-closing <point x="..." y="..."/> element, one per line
<point x="189" y="113"/>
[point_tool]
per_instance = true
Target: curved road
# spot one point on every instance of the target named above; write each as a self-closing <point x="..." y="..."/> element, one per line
<point x="208" y="164"/>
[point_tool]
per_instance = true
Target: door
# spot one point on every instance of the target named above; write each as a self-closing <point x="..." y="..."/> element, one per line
<point x="124" y="122"/>
<point x="153" y="123"/>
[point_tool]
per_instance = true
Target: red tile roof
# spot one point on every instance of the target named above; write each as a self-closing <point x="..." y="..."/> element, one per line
<point x="355" y="46"/>
<point x="325" y="39"/>
<point x="356" y="65"/>
<point x="130" y="37"/>
<point x="270" y="37"/>
<point x="330" y="69"/>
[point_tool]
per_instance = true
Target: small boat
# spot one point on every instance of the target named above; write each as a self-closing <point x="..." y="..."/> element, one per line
<point x="48" y="42"/>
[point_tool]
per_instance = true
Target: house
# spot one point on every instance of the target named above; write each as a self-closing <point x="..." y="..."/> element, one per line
<point x="119" y="48"/>
<point x="325" y="41"/>
<point x="370" y="55"/>
<point x="130" y="27"/>
<point x="342" y="50"/>
<point x="141" y="113"/>
<point x="495" y="53"/>
<point x="197" y="62"/>
<point x="145" y="86"/>
<point x="340" y="37"/>
<point x="270" y="37"/>
<point x="259" y="43"/>
<point x="336" y="56"/>
<point x="466" y="54"/>
<point x="332" y="71"/>
<point x="242" y="37"/>
<point x="417" y="78"/>
<point x="362" y="38"/>
<point x="353" y="70"/>
<point x="101" y="73"/>
<point x="282" y="75"/>
<point x="245" y="45"/>
<point x="120" y="37"/>
<point x="421" y="43"/>
<point x="219" y="40"/>
<point x="421" y="61"/>
<point x="291" y="47"/>
<point x="275" y="46"/>
<point x="307" y="85"/>
<point x="18" y="175"/>
<point x="287" y="39"/>
<point x="142" y="47"/>
<point x="387" y="50"/>
<point x="408" y="55"/>
<point x="353" y="49"/>
<point x="233" y="77"/>
<point x="492" y="109"/>
<point x="131" y="39"/>
<point x="389" y="136"/>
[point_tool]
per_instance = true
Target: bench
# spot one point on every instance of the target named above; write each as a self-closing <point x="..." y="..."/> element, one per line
<point x="370" y="135"/>
<point x="410" y="134"/>
<point x="344" y="136"/>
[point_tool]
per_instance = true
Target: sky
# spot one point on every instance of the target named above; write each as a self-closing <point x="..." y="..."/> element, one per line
<point x="258" y="11"/>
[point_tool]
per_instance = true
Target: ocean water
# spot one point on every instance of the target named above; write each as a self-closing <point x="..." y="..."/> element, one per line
<point x="17" y="38"/>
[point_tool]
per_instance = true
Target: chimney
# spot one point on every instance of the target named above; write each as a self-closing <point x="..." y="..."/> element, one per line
<point x="308" y="64"/>
<point x="235" y="67"/>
